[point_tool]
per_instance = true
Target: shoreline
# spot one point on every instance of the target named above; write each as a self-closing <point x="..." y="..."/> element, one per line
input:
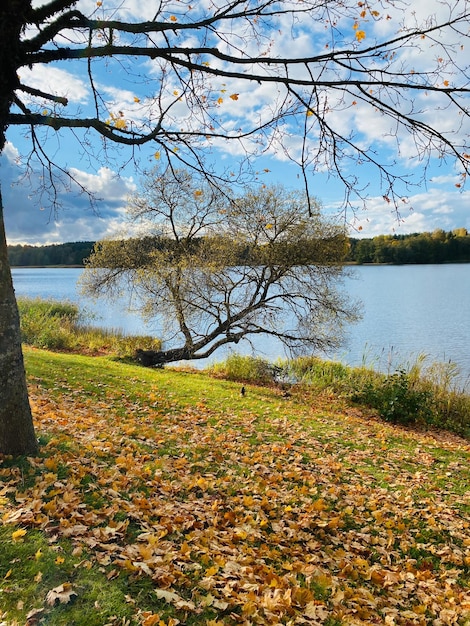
<point x="346" y="264"/>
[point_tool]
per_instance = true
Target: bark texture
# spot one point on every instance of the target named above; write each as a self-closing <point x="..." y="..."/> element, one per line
<point x="17" y="434"/>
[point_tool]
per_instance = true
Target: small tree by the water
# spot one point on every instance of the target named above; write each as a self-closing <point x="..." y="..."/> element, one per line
<point x="217" y="270"/>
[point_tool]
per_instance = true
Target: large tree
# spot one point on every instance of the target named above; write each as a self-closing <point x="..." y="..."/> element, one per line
<point x="216" y="271"/>
<point x="309" y="63"/>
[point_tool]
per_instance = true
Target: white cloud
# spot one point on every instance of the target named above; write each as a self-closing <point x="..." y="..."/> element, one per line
<point x="55" y="81"/>
<point x="29" y="219"/>
<point x="426" y="211"/>
<point x="106" y="182"/>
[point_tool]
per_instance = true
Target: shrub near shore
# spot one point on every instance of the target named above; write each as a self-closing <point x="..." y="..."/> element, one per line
<point x="54" y="325"/>
<point x="423" y="396"/>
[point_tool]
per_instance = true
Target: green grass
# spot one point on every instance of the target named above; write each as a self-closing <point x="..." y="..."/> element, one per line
<point x="170" y="480"/>
<point x="37" y="563"/>
<point x="56" y="325"/>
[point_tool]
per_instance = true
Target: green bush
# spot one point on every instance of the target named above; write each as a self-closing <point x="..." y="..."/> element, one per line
<point x="397" y="398"/>
<point x="417" y="394"/>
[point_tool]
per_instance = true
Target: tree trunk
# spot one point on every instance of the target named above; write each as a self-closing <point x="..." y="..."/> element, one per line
<point x="16" y="423"/>
<point x="158" y="358"/>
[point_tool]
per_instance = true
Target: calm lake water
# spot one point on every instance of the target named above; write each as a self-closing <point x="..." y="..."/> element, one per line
<point x="408" y="311"/>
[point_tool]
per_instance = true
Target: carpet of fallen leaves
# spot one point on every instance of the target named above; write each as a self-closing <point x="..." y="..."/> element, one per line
<point x="300" y="513"/>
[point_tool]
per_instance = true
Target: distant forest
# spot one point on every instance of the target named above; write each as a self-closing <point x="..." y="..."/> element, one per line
<point x="436" y="247"/>
<point x="57" y="254"/>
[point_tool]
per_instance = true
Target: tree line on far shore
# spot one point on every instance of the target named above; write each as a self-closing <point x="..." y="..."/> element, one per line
<point x="438" y="246"/>
<point x="63" y="254"/>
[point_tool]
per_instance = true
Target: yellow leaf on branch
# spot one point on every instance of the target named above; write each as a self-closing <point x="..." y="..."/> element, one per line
<point x="120" y="123"/>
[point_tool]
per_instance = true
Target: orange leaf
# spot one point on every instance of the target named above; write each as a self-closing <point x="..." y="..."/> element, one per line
<point x="50" y="464"/>
<point x="150" y="619"/>
<point x="319" y="505"/>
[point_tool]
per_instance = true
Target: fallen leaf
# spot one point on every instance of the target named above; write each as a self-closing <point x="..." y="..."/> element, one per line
<point x="33" y="617"/>
<point x="63" y="594"/>
<point x="18" y="535"/>
<point x="175" y="599"/>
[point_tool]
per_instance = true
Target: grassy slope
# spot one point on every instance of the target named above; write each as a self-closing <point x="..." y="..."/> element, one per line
<point x="165" y="497"/>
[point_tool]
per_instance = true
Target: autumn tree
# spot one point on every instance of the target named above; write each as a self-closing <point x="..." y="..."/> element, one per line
<point x="305" y="76"/>
<point x="217" y="270"/>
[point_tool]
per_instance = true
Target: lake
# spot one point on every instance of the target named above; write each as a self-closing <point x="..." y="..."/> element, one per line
<point x="409" y="310"/>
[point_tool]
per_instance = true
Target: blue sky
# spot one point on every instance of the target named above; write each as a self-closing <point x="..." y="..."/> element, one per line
<point x="30" y="217"/>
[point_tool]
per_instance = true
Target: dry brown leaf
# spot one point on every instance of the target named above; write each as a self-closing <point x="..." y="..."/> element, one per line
<point x="175" y="599"/>
<point x="63" y="594"/>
